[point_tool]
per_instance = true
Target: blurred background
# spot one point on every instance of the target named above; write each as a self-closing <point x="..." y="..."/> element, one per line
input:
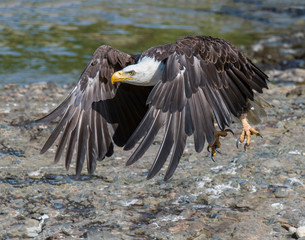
<point x="44" y="40"/>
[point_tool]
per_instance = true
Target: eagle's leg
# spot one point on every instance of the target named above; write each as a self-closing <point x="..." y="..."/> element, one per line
<point x="247" y="131"/>
<point x="213" y="148"/>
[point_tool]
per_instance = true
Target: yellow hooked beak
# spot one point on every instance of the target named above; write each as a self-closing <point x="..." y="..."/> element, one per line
<point x="120" y="76"/>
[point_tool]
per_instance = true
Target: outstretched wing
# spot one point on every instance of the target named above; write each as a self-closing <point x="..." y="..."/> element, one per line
<point x="204" y="79"/>
<point x="95" y="114"/>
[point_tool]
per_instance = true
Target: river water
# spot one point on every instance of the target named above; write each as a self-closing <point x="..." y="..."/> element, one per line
<point x="44" y="40"/>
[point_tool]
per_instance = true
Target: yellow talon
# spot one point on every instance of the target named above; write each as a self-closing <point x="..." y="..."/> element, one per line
<point x="247" y="131"/>
<point x="213" y="148"/>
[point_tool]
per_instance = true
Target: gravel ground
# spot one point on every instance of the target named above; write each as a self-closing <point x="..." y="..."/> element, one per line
<point x="258" y="194"/>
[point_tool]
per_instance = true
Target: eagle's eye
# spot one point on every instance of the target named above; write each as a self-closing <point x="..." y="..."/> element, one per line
<point x="132" y="72"/>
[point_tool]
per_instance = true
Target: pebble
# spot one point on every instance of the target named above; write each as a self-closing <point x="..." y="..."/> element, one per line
<point x="292" y="230"/>
<point x="300" y="232"/>
<point x="202" y="236"/>
<point x="281" y="193"/>
<point x="301" y="223"/>
<point x="32" y="228"/>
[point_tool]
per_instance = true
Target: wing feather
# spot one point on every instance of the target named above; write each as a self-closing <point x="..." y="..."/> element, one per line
<point x="180" y="141"/>
<point x="57" y="130"/>
<point x="62" y="143"/>
<point x="165" y="148"/>
<point x="197" y="114"/>
<point x="82" y="136"/>
<point x="157" y="123"/>
<point x="70" y="148"/>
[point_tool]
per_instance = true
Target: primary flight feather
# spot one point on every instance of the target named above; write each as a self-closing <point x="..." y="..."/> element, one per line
<point x="186" y="87"/>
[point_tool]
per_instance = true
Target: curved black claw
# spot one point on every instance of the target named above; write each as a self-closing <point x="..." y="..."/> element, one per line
<point x="229" y="130"/>
<point x="258" y="134"/>
<point x="212" y="158"/>
<point x="245" y="147"/>
<point x="208" y="148"/>
<point x="237" y="142"/>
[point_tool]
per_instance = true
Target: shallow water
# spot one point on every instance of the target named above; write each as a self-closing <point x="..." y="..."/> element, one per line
<point x="53" y="40"/>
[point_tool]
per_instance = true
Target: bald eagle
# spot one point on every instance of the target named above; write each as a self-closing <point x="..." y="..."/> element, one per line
<point x="195" y="86"/>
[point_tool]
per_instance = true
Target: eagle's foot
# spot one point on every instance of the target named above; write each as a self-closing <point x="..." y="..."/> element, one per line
<point x="246" y="133"/>
<point x="213" y="149"/>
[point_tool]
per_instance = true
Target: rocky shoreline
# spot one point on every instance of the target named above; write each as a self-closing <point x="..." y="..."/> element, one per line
<point x="258" y="194"/>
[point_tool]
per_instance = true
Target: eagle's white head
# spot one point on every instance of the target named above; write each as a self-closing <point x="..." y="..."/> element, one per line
<point x="147" y="72"/>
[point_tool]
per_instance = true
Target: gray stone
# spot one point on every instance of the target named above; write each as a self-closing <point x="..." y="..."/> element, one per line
<point x="281" y="193"/>
<point x="32" y="228"/>
<point x="301" y="223"/>
<point x="300" y="232"/>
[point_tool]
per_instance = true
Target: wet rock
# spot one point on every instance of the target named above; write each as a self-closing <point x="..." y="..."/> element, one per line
<point x="281" y="52"/>
<point x="32" y="228"/>
<point x="96" y="235"/>
<point x="281" y="193"/>
<point x="297" y="91"/>
<point x="38" y="174"/>
<point x="301" y="223"/>
<point x="293" y="182"/>
<point x="292" y="230"/>
<point x="300" y="232"/>
<point x="202" y="199"/>
<point x="202" y="236"/>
